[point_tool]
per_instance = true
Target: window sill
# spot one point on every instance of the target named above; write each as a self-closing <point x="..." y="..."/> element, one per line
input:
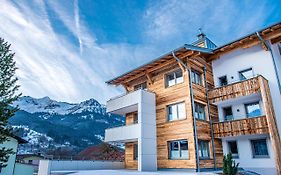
<point x="172" y="121"/>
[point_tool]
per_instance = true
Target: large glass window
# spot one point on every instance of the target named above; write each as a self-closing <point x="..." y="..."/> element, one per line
<point x="246" y="74"/>
<point x="176" y="111"/>
<point x="174" y="78"/>
<point x="227" y="112"/>
<point x="135" y="118"/>
<point x="135" y="151"/>
<point x="259" y="148"/>
<point x="140" y="86"/>
<point x="223" y="81"/>
<point x="196" y="77"/>
<point x="178" y="149"/>
<point x="233" y="149"/>
<point x="199" y="111"/>
<point x="253" y="109"/>
<point x="203" y="149"/>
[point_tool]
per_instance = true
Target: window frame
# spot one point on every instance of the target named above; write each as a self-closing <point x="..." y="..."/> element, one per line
<point x="200" y="143"/>
<point x="245" y="70"/>
<point x="253" y="149"/>
<point x="197" y="74"/>
<point x="135" y="151"/>
<point x="173" y="73"/>
<point x="224" y="115"/>
<point x="196" y="105"/>
<point x="175" y="104"/>
<point x="179" y="150"/>
<point x="141" y="87"/>
<point x="219" y="78"/>
<point x="247" y="112"/>
<point x="235" y="156"/>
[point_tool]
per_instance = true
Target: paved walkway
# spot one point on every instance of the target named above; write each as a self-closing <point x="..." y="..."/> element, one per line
<point x="131" y="172"/>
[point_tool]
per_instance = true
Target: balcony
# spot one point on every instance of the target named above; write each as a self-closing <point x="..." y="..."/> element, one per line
<point x="247" y="126"/>
<point x="127" y="133"/>
<point x="235" y="90"/>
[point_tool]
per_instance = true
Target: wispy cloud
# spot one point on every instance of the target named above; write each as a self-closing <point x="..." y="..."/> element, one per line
<point x="75" y="68"/>
<point x="49" y="63"/>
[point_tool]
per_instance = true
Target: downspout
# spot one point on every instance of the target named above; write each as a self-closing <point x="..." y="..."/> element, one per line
<point x="273" y="60"/>
<point x="193" y="111"/>
<point x="210" y="119"/>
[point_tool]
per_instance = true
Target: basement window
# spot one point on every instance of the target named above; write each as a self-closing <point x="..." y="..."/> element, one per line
<point x="176" y="111"/>
<point x="174" y="78"/>
<point x="259" y="148"/>
<point x="178" y="149"/>
<point x="233" y="149"/>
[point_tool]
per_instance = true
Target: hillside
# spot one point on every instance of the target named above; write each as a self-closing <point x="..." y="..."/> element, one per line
<point x="48" y="124"/>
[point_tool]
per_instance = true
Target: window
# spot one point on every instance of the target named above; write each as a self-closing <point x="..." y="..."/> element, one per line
<point x="233" y="149"/>
<point x="142" y="86"/>
<point x="135" y="118"/>
<point x="196" y="78"/>
<point x="178" y="149"/>
<point x="203" y="149"/>
<point x="253" y="109"/>
<point x="199" y="111"/>
<point x="135" y="151"/>
<point x="259" y="148"/>
<point x="30" y="161"/>
<point x="174" y="78"/>
<point x="223" y="81"/>
<point x="246" y="74"/>
<point x="176" y="111"/>
<point x="227" y="112"/>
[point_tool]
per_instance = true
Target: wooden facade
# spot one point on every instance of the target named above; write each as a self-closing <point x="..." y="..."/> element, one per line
<point x="256" y="125"/>
<point x="154" y="74"/>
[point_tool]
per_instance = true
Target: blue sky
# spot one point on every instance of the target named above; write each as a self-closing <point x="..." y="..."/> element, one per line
<point x="67" y="49"/>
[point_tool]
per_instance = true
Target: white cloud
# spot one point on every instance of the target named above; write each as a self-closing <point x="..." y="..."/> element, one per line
<point x="52" y="65"/>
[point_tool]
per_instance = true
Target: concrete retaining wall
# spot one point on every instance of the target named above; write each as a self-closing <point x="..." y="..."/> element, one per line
<point x="46" y="166"/>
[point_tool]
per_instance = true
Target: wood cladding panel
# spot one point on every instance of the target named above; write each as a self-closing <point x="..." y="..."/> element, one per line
<point x="271" y="120"/>
<point x="181" y="129"/>
<point x="234" y="90"/>
<point x="256" y="125"/>
<point x="130" y="163"/>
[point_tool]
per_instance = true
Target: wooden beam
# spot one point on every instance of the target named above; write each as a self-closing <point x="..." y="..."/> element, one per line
<point x="275" y="40"/>
<point x="125" y="87"/>
<point x="149" y="78"/>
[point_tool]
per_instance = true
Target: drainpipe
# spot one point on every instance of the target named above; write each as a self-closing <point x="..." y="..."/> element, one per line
<point x="273" y="60"/>
<point x="193" y="111"/>
<point x="210" y="119"/>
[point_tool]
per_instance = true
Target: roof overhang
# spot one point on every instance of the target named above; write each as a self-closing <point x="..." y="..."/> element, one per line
<point x="186" y="50"/>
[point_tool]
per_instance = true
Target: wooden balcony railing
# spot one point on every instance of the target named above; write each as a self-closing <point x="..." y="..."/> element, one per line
<point x="256" y="125"/>
<point x="234" y="90"/>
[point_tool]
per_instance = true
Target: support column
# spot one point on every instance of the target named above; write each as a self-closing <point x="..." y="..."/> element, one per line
<point x="147" y="146"/>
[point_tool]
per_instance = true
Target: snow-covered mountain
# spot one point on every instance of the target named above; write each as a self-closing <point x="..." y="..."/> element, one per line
<point x="49" y="124"/>
<point x="47" y="105"/>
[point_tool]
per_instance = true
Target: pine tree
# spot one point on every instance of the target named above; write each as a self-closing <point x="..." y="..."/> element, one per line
<point x="8" y="94"/>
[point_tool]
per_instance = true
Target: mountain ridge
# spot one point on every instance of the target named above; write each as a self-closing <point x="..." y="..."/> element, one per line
<point x="48" y="124"/>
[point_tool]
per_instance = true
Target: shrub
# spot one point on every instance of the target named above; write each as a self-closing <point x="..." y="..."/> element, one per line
<point x="229" y="165"/>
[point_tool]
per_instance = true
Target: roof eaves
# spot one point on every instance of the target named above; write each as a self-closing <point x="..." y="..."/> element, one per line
<point x="245" y="36"/>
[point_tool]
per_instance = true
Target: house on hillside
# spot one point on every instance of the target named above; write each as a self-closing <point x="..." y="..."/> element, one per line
<point x="189" y="107"/>
<point x="11" y="164"/>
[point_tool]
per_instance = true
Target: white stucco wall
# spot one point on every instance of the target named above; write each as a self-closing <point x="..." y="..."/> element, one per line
<point x="238" y="106"/>
<point x="261" y="63"/>
<point x="263" y="166"/>
<point x="144" y="103"/>
<point x="13" y="143"/>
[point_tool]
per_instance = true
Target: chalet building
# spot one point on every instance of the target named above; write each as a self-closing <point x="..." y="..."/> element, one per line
<point x="189" y="107"/>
